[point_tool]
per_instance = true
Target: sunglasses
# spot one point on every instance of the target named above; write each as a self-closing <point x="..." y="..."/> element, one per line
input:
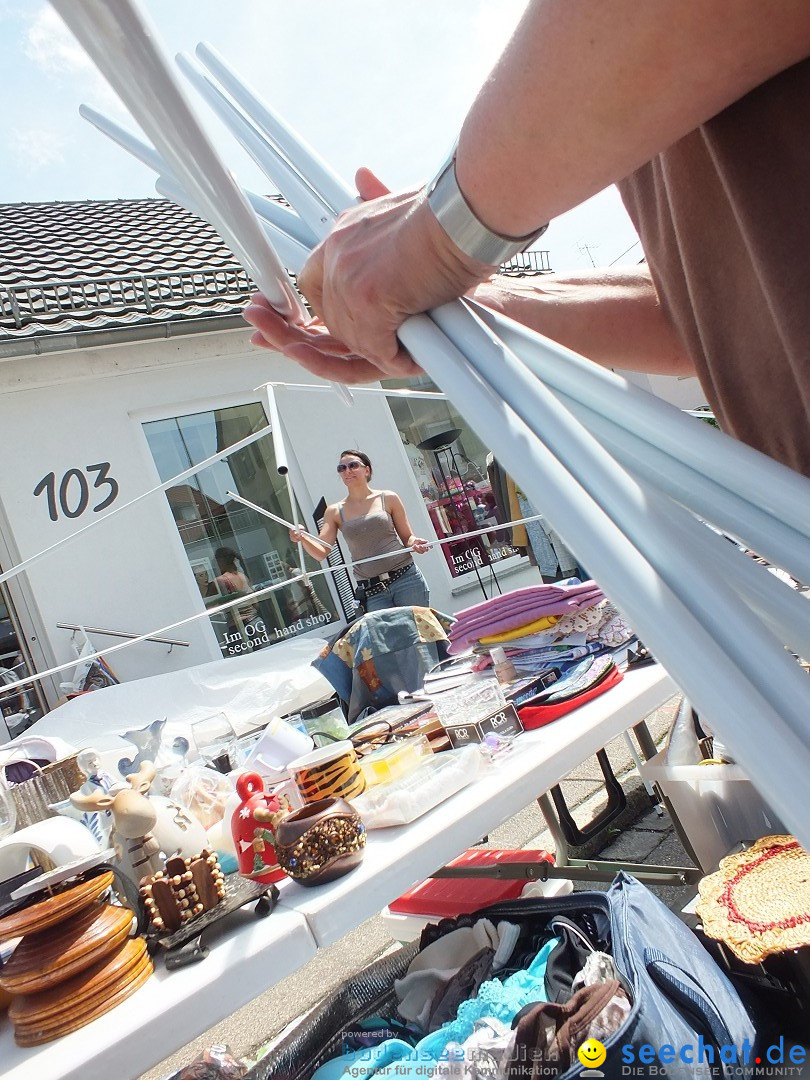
<point x="344" y="465"/>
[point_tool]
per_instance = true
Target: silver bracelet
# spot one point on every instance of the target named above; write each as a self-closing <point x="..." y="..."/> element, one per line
<point x="470" y="235"/>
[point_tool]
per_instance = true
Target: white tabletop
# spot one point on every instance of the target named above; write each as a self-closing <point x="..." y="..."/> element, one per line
<point x="397" y="858"/>
<point x="172" y="1007"/>
<point x="253" y="954"/>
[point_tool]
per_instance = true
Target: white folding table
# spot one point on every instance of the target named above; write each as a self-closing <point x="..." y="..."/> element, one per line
<point x="172" y="1007"/>
<point x="252" y="954"/>
<point x="399" y="857"/>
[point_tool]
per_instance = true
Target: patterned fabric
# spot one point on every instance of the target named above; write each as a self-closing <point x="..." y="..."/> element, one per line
<point x="615" y="632"/>
<point x="547" y="545"/>
<point x="382" y="653"/>
<point x="582" y="622"/>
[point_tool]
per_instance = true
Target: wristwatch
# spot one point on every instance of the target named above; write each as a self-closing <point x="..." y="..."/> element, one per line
<point x="455" y="215"/>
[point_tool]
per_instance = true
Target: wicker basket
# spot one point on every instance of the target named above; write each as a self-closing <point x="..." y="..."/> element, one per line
<point x="51" y="783"/>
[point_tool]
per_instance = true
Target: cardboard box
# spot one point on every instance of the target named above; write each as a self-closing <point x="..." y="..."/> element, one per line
<point x="504" y="722"/>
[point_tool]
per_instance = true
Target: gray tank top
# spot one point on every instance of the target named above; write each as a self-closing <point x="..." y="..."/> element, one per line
<point x="373" y="534"/>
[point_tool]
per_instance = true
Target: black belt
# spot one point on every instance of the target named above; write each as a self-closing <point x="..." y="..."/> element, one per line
<point x="373" y="586"/>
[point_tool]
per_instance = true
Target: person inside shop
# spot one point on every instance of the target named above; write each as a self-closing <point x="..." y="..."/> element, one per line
<point x="202" y="579"/>
<point x="699" y="112"/>
<point x="376" y="529"/>
<point x="230" y="582"/>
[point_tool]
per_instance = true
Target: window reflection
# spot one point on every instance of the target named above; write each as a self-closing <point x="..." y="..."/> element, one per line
<point x="232" y="550"/>
<point x="450" y="462"/>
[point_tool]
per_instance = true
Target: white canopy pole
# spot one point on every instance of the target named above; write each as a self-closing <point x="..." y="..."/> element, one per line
<point x="764" y="482"/>
<point x="123" y="47"/>
<point x="286" y="223"/>
<point x="334" y="191"/>
<point x="311" y="208"/>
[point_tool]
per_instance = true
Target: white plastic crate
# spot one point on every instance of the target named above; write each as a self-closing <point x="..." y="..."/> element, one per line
<point x="717" y="806"/>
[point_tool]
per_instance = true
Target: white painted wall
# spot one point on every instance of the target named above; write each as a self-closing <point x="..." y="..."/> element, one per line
<point x="78" y="408"/>
<point x="684" y="392"/>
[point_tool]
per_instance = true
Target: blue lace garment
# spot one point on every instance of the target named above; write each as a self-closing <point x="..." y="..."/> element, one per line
<point x="501" y="1000"/>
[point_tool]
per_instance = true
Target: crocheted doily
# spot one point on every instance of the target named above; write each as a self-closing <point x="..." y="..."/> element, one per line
<point x="758" y="902"/>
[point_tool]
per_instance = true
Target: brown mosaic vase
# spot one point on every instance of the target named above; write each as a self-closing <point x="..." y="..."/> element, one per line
<point x="320" y="842"/>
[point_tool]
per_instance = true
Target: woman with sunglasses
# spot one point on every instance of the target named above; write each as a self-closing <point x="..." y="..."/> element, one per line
<point x="376" y="529"/>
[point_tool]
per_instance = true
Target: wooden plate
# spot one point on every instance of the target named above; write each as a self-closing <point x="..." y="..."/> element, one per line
<point x="47" y="881"/>
<point x="55" y="909"/>
<point x="31" y="1035"/>
<point x="72" y="1004"/>
<point x="52" y="956"/>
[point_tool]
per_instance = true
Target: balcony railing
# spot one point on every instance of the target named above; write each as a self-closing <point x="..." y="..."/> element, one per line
<point x="528" y="262"/>
<point x="22" y="304"/>
<point x="129" y="292"/>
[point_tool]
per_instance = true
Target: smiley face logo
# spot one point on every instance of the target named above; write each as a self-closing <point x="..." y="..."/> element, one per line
<point x="592" y="1054"/>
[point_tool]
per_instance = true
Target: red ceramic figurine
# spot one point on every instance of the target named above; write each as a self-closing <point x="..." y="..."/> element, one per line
<point x="253" y="825"/>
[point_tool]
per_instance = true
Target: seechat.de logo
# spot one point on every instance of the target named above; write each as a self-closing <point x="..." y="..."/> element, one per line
<point x="592" y="1054"/>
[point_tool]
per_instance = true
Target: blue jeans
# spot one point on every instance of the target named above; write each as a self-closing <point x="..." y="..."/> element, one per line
<point x="409" y="590"/>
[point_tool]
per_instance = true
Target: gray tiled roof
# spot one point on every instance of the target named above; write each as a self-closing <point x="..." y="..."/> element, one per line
<point x="68" y="267"/>
<point x="76" y="266"/>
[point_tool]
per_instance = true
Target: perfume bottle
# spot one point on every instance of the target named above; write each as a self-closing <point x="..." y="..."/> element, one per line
<point x="505" y="670"/>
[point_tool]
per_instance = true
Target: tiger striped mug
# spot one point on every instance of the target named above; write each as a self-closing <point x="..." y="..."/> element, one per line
<point x="328" y="772"/>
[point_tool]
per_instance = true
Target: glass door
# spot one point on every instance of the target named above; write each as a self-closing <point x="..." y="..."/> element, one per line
<point x="449" y="462"/>
<point x="232" y="550"/>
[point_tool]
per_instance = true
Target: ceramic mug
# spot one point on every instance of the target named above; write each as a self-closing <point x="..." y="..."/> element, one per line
<point x="329" y="772"/>
<point x="322" y="841"/>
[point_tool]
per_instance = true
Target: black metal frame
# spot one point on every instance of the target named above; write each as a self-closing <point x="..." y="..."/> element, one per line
<point x="336" y="558"/>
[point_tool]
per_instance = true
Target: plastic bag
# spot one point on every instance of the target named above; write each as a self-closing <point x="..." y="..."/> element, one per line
<point x="413" y="795"/>
<point x="203" y="792"/>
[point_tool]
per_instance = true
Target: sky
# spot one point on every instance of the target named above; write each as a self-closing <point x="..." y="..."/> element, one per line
<point x="383" y="83"/>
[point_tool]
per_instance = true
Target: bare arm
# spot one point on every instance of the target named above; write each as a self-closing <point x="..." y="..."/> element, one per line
<point x="319" y="549"/>
<point x="586" y="91"/>
<point x="612" y="316"/>
<point x="612" y="83"/>
<point x="393" y="505"/>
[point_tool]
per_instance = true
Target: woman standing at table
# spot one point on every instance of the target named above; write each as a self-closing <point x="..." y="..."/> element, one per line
<point x="376" y="528"/>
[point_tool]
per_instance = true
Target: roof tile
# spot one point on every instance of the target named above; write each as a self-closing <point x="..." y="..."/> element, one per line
<point x="94" y="265"/>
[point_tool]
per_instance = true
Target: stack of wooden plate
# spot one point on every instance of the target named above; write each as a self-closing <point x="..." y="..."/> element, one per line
<point x="74" y="963"/>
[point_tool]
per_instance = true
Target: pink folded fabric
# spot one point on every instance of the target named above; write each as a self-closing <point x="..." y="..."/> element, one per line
<point x="525" y="612"/>
<point x="513" y="610"/>
<point x="533" y="592"/>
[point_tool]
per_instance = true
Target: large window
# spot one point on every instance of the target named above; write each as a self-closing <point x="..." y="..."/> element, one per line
<point x="231" y="549"/>
<point x="449" y="462"/>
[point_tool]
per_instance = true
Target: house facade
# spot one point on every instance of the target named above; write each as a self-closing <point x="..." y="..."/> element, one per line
<point x="125" y="368"/>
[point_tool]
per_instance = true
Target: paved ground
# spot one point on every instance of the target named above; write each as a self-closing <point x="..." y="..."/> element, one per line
<point x="645" y="836"/>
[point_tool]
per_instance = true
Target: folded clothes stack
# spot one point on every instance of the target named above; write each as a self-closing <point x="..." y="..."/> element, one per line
<point x="522" y="610"/>
<point x="543" y="626"/>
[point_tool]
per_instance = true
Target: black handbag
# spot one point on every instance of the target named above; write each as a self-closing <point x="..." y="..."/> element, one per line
<point x="319" y="1035"/>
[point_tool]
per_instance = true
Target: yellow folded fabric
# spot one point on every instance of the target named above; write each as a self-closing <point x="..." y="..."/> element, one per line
<point x="521" y="631"/>
<point x="520" y="538"/>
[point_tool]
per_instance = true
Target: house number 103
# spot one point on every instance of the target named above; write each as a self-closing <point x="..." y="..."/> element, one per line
<point x="72" y="496"/>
